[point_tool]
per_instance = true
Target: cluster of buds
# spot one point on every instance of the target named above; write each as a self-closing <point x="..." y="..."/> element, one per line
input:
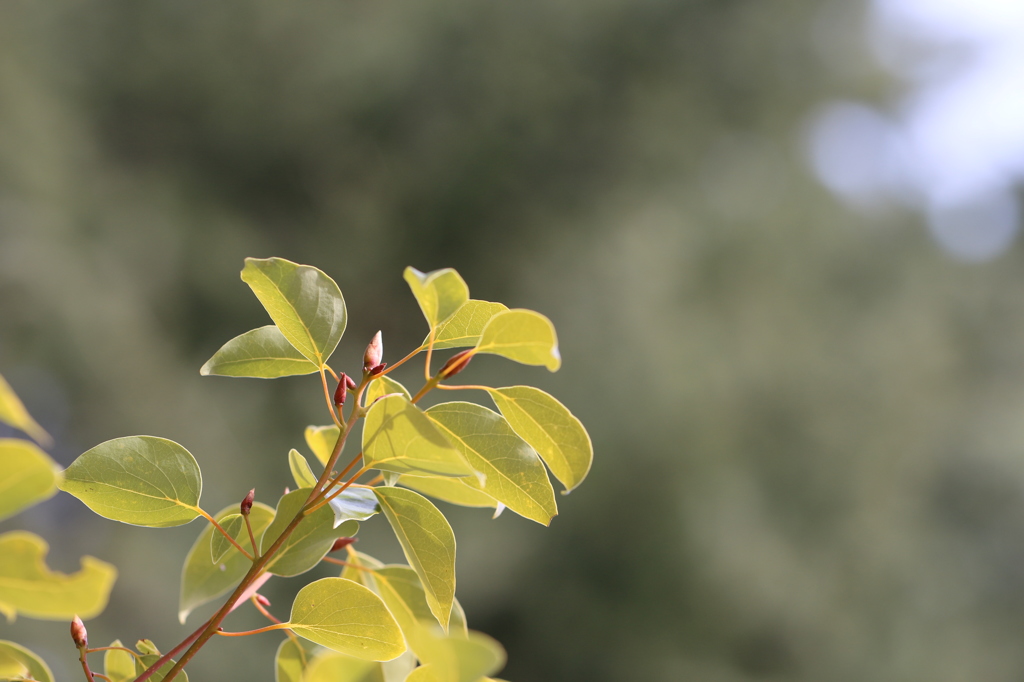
<point x="456" y="364"/>
<point x="372" y="364"/>
<point x="345" y="383"/>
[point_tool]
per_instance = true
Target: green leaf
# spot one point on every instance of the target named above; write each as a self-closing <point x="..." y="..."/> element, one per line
<point x="262" y="353"/>
<point x="403" y="593"/>
<point x="309" y="542"/>
<point x="452" y="490"/>
<point x="463" y="329"/>
<point x="118" y="665"/>
<point x="293" y="657"/>
<point x="354" y="503"/>
<point x="359" y="559"/>
<point x="203" y="580"/>
<point x="384" y="385"/>
<point x="301" y="472"/>
<point x="521" y="335"/>
<point x="27" y="476"/>
<point x="147" y="661"/>
<point x="321" y="440"/>
<point x="17" y="662"/>
<point x="550" y="429"/>
<point x="424" y="673"/>
<point x="29" y="587"/>
<point x="146" y="646"/>
<point x="428" y="543"/>
<point x="514" y="473"/>
<point x="440" y="293"/>
<point x="304" y="303"/>
<point x="234" y="525"/>
<point x="398" y="437"/>
<point x="13" y="413"/>
<point x="348" y="618"/>
<point x="464" y="659"/>
<point x="139" y="480"/>
<point x="334" y="667"/>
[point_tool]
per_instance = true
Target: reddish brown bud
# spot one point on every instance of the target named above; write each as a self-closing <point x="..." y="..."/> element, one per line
<point x="342" y="543"/>
<point x="349" y="381"/>
<point x="456" y="364"/>
<point x="378" y="369"/>
<point x="247" y="502"/>
<point x="78" y="633"/>
<point x="374" y="353"/>
<point x="262" y="600"/>
<point x="340" y="392"/>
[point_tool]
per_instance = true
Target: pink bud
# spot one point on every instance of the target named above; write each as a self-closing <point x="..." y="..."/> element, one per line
<point x="78" y="633"/>
<point x="456" y="364"/>
<point x="247" y="502"/>
<point x="342" y="543"/>
<point x="339" y="393"/>
<point x="262" y="600"/>
<point x="374" y="353"/>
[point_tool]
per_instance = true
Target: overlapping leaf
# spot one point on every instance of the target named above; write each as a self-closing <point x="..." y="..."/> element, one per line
<point x="302" y="474"/>
<point x="453" y="490"/>
<point x="440" y="293"/>
<point x="293" y="658"/>
<point x="118" y="665"/>
<point x="335" y="667"/>
<point x="403" y="593"/>
<point x="17" y="662"/>
<point x="148" y="660"/>
<point x="521" y="335"/>
<point x="355" y="503"/>
<point x="463" y="329"/>
<point x="398" y="437"/>
<point x="27" y="476"/>
<point x="464" y="659"/>
<point x="321" y="440"/>
<point x="309" y="542"/>
<point x="233" y="525"/>
<point x="385" y="385"/>
<point x="13" y="413"/>
<point x="262" y="353"/>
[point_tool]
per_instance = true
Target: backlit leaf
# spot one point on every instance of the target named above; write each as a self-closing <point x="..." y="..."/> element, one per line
<point x="335" y="667"/>
<point x="353" y="571"/>
<point x="234" y="525"/>
<point x="13" y="413"/>
<point x="262" y="353"/>
<point x="403" y="593"/>
<point x="550" y="429"/>
<point x="521" y="335"/>
<point x="309" y="542"/>
<point x="463" y="659"/>
<point x="293" y="657"/>
<point x="354" y="503"/>
<point x="385" y="385"/>
<point x="321" y="440"/>
<point x="118" y="665"/>
<point x="398" y="437"/>
<point x="453" y="490"/>
<point x="304" y="303"/>
<point x="428" y="543"/>
<point x="139" y="480"/>
<point x="17" y="662"/>
<point x="147" y="661"/>
<point x="424" y="673"/>
<point x="463" y="329"/>
<point x="348" y="618"/>
<point x="440" y="293"/>
<point x="27" y="476"/>
<point x="29" y="587"/>
<point x="301" y="473"/>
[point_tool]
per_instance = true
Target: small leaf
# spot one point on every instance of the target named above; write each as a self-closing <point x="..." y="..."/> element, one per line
<point x="440" y="293"/>
<point x="550" y="429"/>
<point x="321" y="440"/>
<point x="514" y="474"/>
<point x="146" y="646"/>
<point x="398" y="437"/>
<point x="463" y="329"/>
<point x="403" y="594"/>
<point x="464" y="659"/>
<point x="309" y="542"/>
<point x="348" y="618"/>
<point x="521" y="335"/>
<point x="29" y="587"/>
<point x="428" y="543"/>
<point x="139" y="480"/>
<point x="13" y="413"/>
<point x="17" y="662"/>
<point x="202" y="580"/>
<point x="355" y="504"/>
<point x="27" y="476"/>
<point x="384" y="385"/>
<point x="304" y="303"/>
<point x="301" y="472"/>
<point x="424" y="673"/>
<point x="453" y="490"/>
<point x="118" y="665"/>
<point x="335" y="667"/>
<point x="147" y="661"/>
<point x="262" y="353"/>
<point x="293" y="657"/>
<point x="234" y="525"/>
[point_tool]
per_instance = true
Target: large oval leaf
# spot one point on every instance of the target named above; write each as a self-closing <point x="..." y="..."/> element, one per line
<point x="521" y="335"/>
<point x="309" y="542"/>
<point x="29" y="587"/>
<point x="453" y="490"/>
<point x="398" y="437"/>
<point x="202" y="579"/>
<point x="321" y="440"/>
<point x="293" y="657"/>
<point x="139" y="480"/>
<point x="348" y="618"/>
<point x="463" y="329"/>
<point x="27" y="476"/>
<point x="428" y="543"/>
<point x="17" y="662"/>
<point x="543" y="422"/>
<point x="440" y="293"/>
<point x="262" y="353"/>
<point x="304" y="303"/>
<point x="514" y="475"/>
<point x="13" y="413"/>
<point x="335" y="667"/>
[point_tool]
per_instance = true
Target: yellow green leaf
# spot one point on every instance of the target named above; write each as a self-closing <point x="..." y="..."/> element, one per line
<point x="146" y="661"/>
<point x="321" y="440"/>
<point x="384" y="385"/>
<point x="29" y="587"/>
<point x="398" y="437"/>
<point x="139" y="480"/>
<point x="348" y="618"/>
<point x="463" y="659"/>
<point x="401" y="590"/>
<point x="13" y="413"/>
<point x="424" y="673"/>
<point x="440" y="293"/>
<point x="234" y="525"/>
<point x="463" y="329"/>
<point x="550" y="429"/>
<point x="360" y="575"/>
<point x="521" y="335"/>
<point x="335" y="667"/>
<point x="118" y="665"/>
<point x="262" y="353"/>
<point x="452" y="490"/>
<point x="304" y="303"/>
<point x="293" y="657"/>
<point x="27" y="476"/>
<point x="301" y="473"/>
<point x="311" y="539"/>
<point x="17" y="662"/>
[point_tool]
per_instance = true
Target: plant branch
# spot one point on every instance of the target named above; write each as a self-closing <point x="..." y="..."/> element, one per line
<point x="326" y="499"/>
<point x="252" y="537"/>
<point x="85" y="664"/>
<point x="327" y="397"/>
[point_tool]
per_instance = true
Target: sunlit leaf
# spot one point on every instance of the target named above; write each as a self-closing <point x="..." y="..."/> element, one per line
<point x="335" y="667"/>
<point x="398" y="437"/>
<point x="146" y="646"/>
<point x="13" y="413"/>
<point x="262" y="353"/>
<point x="139" y="480"/>
<point x="27" y="476"/>
<point x="292" y="658"/>
<point x="453" y="490"/>
<point x="301" y="473"/>
<point x="321" y="440"/>
<point x="403" y="593"/>
<point x="440" y="293"/>
<point x="550" y="429"/>
<point x="17" y="662"/>
<point x="309" y="542"/>
<point x="463" y="659"/>
<point x="304" y="303"/>
<point x="234" y="525"/>
<point x="428" y="543"/>
<point x="358" y="562"/>
<point x="147" y="661"/>
<point x="202" y="580"/>
<point x="424" y="673"/>
<point x="514" y="475"/>
<point x="118" y="665"/>
<point x="463" y="329"/>
<point x="354" y="503"/>
<point x="385" y="385"/>
<point x="29" y="587"/>
<point x="348" y="618"/>
<point x="521" y="335"/>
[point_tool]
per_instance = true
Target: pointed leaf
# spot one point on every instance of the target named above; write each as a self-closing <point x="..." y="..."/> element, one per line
<point x="321" y="440"/>
<point x="550" y="429"/>
<point x="428" y="543"/>
<point x="348" y="618"/>
<point x="514" y="474"/>
<point x="292" y="659"/>
<point x="440" y="293"/>
<point x="464" y="659"/>
<point x="147" y="661"/>
<point x="452" y="490"/>
<point x="13" y="413"/>
<point x="118" y="665"/>
<point x="521" y="335"/>
<point x="234" y="524"/>
<point x="262" y="353"/>
<point x="463" y="329"/>
<point x="403" y="593"/>
<point x="301" y="473"/>
<point x="355" y="504"/>
<point x="27" y="476"/>
<point x="304" y="303"/>
<point x="309" y="542"/>
<point x="29" y="587"/>
<point x="385" y="385"/>
<point x="398" y="437"/>
<point x="335" y="667"/>
<point x="17" y="662"/>
<point x="146" y="646"/>
<point x="139" y="480"/>
<point x="202" y="580"/>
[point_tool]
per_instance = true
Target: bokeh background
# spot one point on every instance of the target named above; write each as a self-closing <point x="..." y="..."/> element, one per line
<point x="777" y="238"/>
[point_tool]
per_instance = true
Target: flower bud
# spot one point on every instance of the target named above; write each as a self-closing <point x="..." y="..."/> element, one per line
<point x="349" y="381"/>
<point x="247" y="502"/>
<point x="342" y="543"/>
<point x="378" y="369"/>
<point x="340" y="392"/>
<point x="262" y="600"/>
<point x="78" y="633"/>
<point x="456" y="364"/>
<point x="374" y="353"/>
